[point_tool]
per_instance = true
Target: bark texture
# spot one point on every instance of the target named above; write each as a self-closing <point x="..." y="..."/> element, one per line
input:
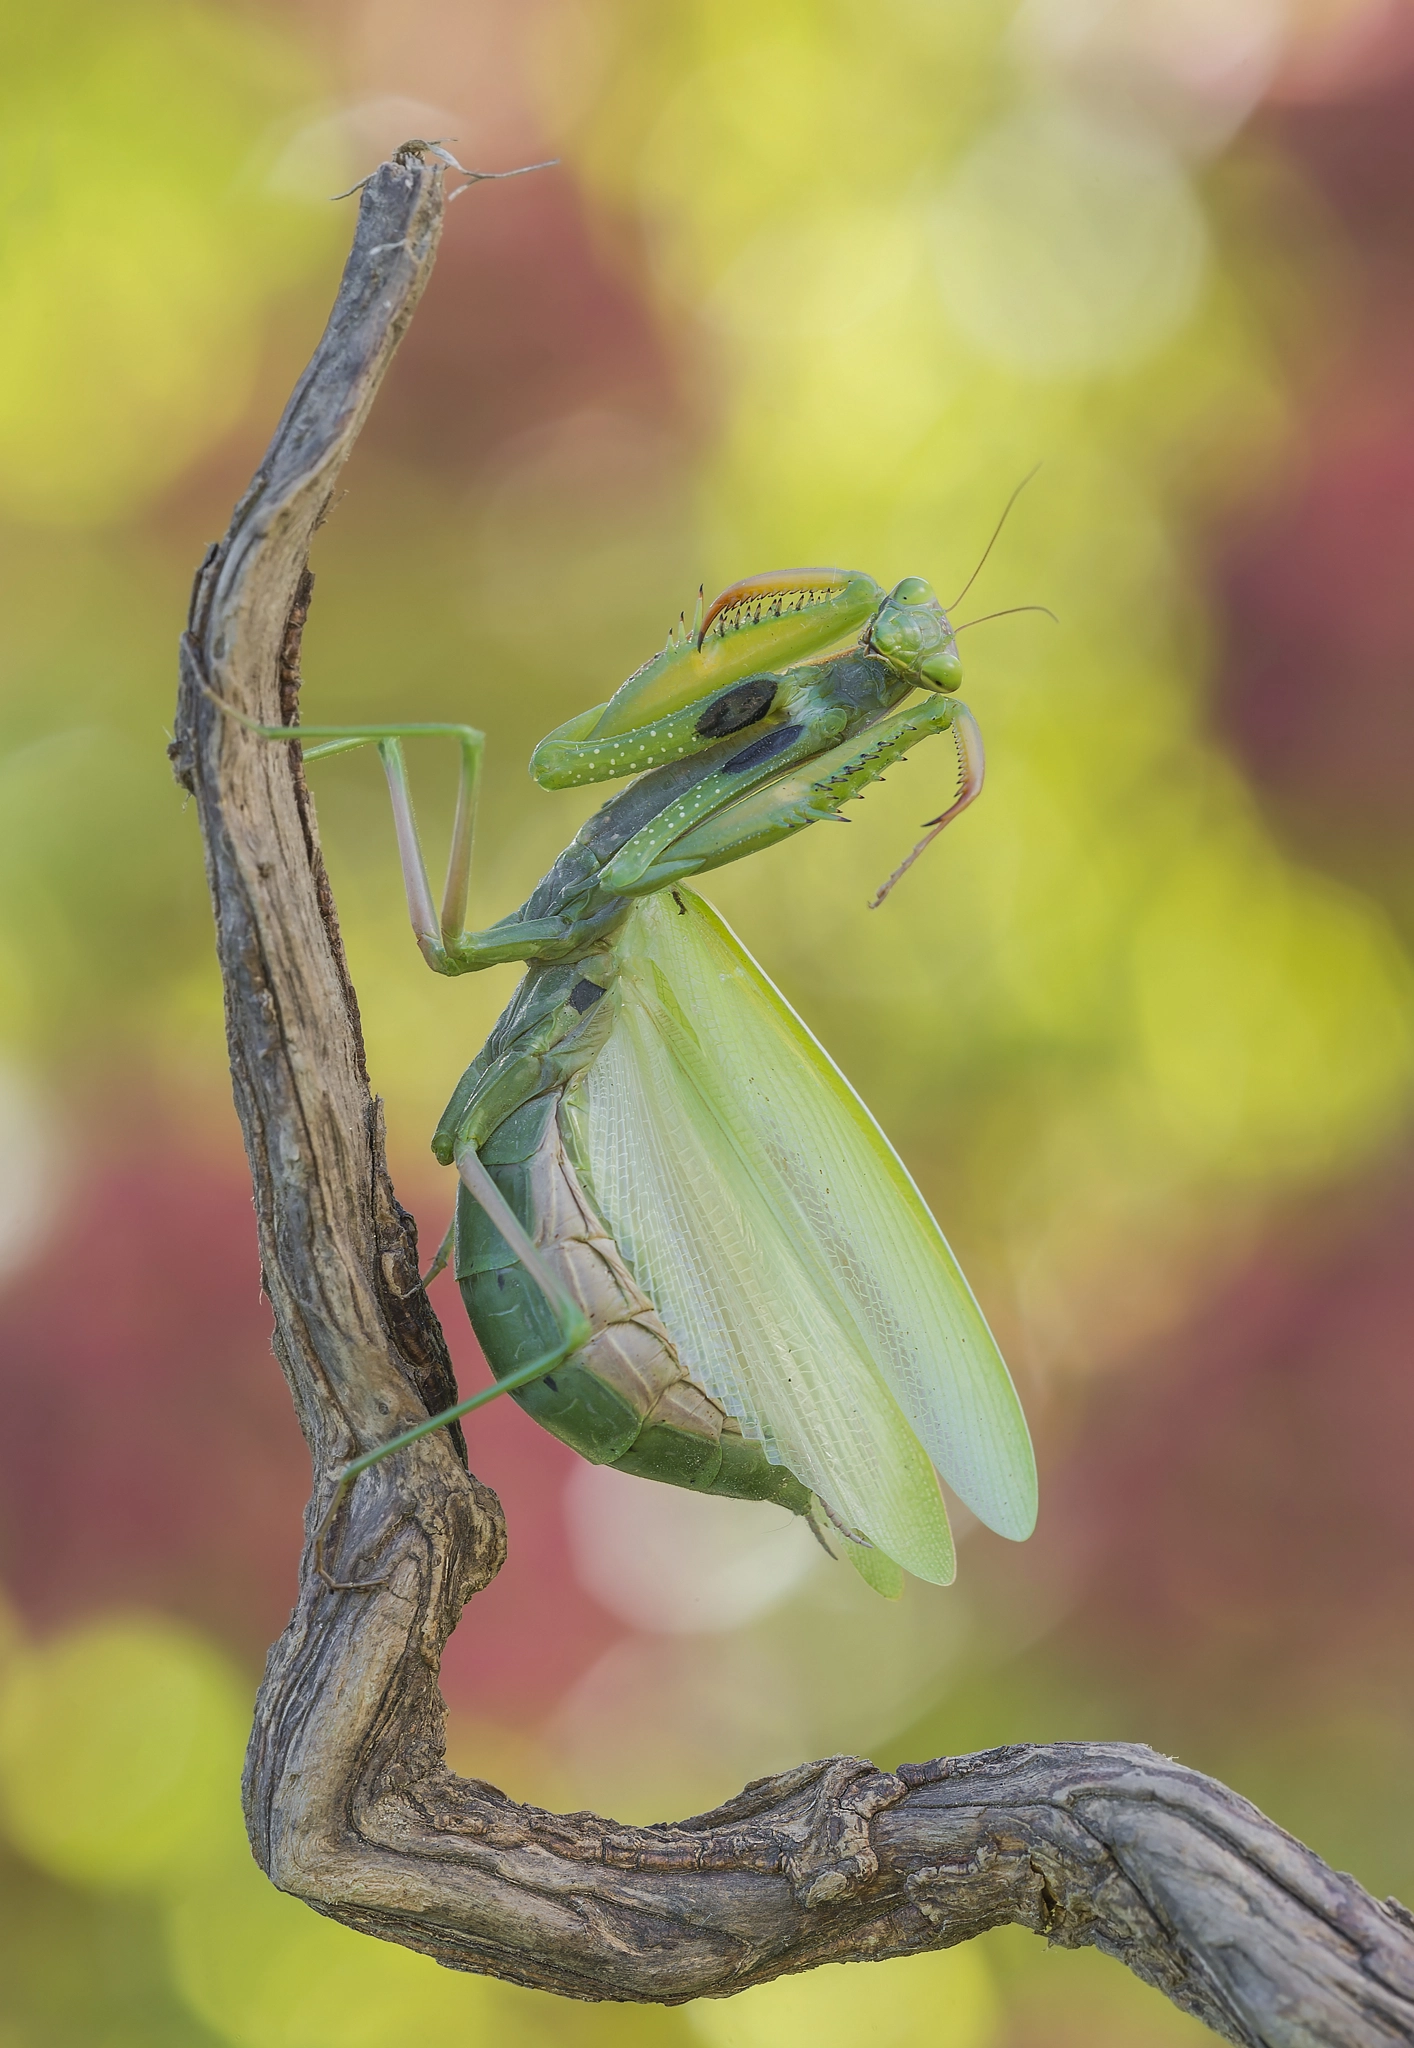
<point x="348" y="1800"/>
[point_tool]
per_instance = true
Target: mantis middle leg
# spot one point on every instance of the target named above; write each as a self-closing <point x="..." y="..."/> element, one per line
<point x="449" y="949"/>
<point x="441" y="938"/>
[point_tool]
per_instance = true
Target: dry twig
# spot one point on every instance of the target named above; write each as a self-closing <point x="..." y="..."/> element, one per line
<point x="348" y="1800"/>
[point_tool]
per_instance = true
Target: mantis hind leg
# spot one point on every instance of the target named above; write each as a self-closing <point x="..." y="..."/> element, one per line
<point x="574" y="1332"/>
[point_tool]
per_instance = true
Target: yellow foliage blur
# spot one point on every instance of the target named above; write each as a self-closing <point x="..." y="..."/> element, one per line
<point x="945" y="1998"/>
<point x="120" y="1748"/>
<point x="141" y="244"/>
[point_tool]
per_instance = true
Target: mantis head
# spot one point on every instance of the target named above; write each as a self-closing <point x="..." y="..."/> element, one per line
<point x="911" y="631"/>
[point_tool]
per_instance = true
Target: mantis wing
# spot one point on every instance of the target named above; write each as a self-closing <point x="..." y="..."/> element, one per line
<point x="796" y="1264"/>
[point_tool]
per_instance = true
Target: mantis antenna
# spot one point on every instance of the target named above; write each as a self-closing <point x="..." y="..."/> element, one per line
<point x="1006" y="513"/>
<point x="1010" y="612"/>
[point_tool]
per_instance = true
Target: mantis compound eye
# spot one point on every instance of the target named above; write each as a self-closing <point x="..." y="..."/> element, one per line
<point x="911" y="631"/>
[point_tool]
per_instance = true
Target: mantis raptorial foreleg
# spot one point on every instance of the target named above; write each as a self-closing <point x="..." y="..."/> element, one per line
<point x="817" y="788"/>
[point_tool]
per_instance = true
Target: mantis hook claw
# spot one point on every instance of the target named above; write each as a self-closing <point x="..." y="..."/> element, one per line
<point x="972" y="762"/>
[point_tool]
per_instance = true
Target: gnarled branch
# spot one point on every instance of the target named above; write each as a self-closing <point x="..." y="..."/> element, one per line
<point x="348" y="1800"/>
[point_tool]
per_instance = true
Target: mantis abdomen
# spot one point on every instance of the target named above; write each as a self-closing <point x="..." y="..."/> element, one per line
<point x="624" y="1398"/>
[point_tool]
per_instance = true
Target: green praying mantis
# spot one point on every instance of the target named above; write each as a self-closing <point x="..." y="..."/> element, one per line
<point x="685" y="1246"/>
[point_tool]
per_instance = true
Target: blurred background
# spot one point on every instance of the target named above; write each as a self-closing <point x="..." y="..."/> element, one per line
<point x="814" y="281"/>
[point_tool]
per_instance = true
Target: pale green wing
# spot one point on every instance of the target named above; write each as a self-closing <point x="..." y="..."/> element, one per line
<point x="686" y="1169"/>
<point x="786" y="1244"/>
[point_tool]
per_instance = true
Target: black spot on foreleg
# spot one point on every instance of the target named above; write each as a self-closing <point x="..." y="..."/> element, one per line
<point x="738" y="707"/>
<point x="769" y="744"/>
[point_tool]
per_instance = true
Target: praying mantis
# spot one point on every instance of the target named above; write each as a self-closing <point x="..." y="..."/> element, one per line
<point x="685" y="1246"/>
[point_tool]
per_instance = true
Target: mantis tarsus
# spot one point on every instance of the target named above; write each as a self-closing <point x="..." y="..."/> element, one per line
<point x="684" y="1244"/>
